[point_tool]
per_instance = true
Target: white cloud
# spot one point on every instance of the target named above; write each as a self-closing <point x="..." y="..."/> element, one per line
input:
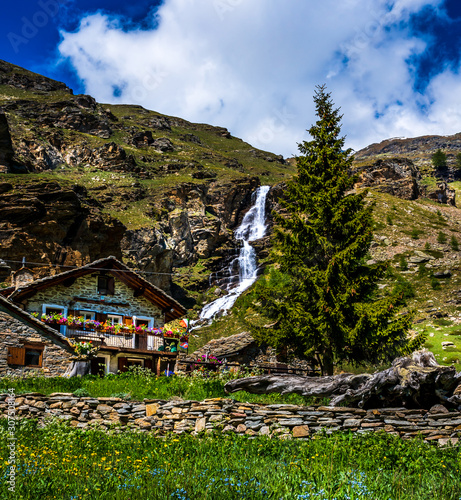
<point x="252" y="66"/>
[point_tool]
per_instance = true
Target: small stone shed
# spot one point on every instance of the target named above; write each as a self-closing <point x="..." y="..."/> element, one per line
<point x="242" y="349"/>
<point x="27" y="344"/>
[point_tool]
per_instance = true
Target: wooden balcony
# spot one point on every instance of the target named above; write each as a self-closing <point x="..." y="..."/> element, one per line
<point x="141" y="342"/>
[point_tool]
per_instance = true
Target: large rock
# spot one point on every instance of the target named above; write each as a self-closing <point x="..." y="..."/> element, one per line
<point x="444" y="194"/>
<point x="396" y="176"/>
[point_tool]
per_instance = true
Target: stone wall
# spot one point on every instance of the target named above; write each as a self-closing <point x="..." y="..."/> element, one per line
<point x="87" y="287"/>
<point x="14" y="333"/>
<point x="226" y="415"/>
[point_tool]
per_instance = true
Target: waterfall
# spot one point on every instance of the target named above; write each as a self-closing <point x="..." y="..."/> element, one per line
<point x="253" y="227"/>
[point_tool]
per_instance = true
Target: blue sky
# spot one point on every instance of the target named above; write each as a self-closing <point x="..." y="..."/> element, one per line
<point x="251" y="65"/>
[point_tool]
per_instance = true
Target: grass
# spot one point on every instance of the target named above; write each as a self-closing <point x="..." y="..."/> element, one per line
<point x="139" y="384"/>
<point x="59" y="462"/>
<point x="442" y="330"/>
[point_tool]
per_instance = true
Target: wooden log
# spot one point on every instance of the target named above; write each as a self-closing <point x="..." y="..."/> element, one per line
<point x="416" y="381"/>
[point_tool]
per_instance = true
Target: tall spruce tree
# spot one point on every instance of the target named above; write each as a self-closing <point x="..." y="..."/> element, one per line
<point x="320" y="298"/>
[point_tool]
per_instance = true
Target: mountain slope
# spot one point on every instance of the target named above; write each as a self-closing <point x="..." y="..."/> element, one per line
<point x="158" y="191"/>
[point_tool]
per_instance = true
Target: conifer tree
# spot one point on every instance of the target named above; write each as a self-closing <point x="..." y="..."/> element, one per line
<point x="320" y="298"/>
<point x="439" y="159"/>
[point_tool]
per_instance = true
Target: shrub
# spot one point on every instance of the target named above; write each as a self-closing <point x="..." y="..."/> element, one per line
<point x="403" y="263"/>
<point x="415" y="233"/>
<point x="454" y="243"/>
<point x="427" y="246"/>
<point x="389" y="220"/>
<point x="435" y="284"/>
<point x="422" y="270"/>
<point x="404" y="288"/>
<point x="441" y="238"/>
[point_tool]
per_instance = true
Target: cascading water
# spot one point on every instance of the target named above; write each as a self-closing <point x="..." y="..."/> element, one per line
<point x="253" y="227"/>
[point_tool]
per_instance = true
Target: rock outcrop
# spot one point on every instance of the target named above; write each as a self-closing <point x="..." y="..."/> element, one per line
<point x="6" y="145"/>
<point x="26" y="80"/>
<point x="48" y="223"/>
<point x="396" y="176"/>
<point x="443" y="194"/>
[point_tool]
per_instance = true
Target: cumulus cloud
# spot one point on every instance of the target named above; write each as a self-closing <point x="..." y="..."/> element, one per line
<point x="253" y="66"/>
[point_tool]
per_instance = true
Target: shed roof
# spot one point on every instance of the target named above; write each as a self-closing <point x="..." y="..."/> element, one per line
<point x="224" y="347"/>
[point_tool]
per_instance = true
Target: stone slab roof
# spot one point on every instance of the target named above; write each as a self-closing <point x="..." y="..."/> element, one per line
<point x="224" y="347"/>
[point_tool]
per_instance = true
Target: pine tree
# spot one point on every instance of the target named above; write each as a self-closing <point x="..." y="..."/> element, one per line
<point x="439" y="159"/>
<point x="320" y="298"/>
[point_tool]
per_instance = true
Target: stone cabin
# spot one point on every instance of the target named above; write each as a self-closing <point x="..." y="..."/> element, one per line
<point x="243" y="350"/>
<point x="27" y="344"/>
<point x="112" y="300"/>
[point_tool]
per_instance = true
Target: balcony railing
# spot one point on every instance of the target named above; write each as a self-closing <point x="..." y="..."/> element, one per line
<point x="100" y="338"/>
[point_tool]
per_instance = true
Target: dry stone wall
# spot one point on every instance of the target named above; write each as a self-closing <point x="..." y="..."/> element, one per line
<point x="226" y="415"/>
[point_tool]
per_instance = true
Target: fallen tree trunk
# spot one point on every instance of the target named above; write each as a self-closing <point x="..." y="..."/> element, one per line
<point x="416" y="381"/>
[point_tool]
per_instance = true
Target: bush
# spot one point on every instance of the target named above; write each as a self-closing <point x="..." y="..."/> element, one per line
<point x="454" y="243"/>
<point x="422" y="270"/>
<point x="403" y="263"/>
<point x="435" y="284"/>
<point x="441" y="238"/>
<point x="415" y="233"/>
<point x="404" y="287"/>
<point x="389" y="220"/>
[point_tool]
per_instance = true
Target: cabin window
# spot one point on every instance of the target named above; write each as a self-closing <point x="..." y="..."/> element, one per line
<point x="26" y="356"/>
<point x="33" y="357"/>
<point x="50" y="310"/>
<point x="106" y="285"/>
<point x="135" y="362"/>
<point x="114" y="319"/>
<point x="125" y="363"/>
<point x="86" y="315"/>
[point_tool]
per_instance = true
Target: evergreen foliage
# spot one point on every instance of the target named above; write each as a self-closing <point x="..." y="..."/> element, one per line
<point x="439" y="159"/>
<point x="320" y="298"/>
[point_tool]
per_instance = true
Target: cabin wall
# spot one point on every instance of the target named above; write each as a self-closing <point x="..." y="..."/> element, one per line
<point x="85" y="289"/>
<point x="14" y="333"/>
